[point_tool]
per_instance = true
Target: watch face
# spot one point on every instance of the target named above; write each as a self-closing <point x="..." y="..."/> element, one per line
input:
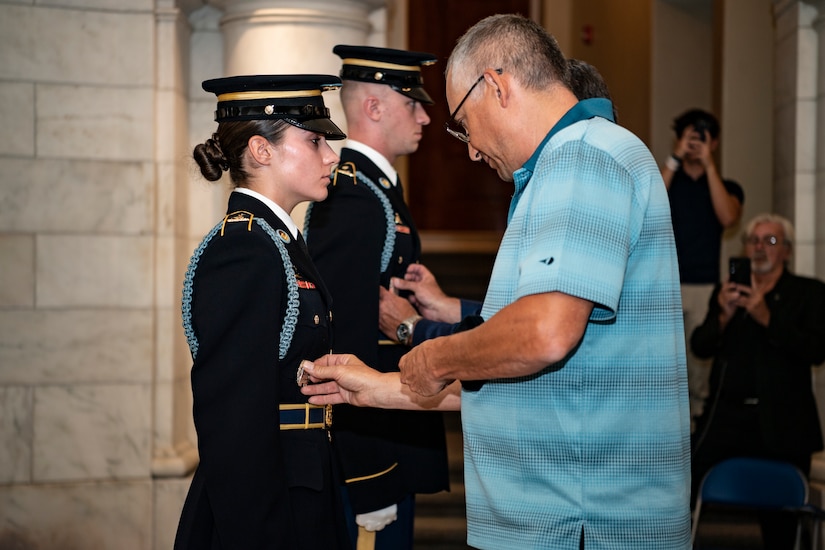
<point x="402" y="332"/>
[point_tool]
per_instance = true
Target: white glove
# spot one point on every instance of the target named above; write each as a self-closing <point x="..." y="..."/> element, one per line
<point x="377" y="520"/>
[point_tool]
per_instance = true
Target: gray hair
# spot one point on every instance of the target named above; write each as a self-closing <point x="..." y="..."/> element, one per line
<point x="513" y="43"/>
<point x="787" y="226"/>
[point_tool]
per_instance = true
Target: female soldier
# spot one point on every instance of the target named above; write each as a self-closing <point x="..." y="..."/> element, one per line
<point x="253" y="308"/>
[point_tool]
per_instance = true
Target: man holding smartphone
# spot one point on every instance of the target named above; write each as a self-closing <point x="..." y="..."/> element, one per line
<point x="764" y="336"/>
<point x="702" y="206"/>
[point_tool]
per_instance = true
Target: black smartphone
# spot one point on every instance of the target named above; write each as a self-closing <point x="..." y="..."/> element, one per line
<point x="701" y="126"/>
<point x="740" y="271"/>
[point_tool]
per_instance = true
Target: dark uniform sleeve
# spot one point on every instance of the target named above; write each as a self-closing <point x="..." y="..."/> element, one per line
<point x="237" y="309"/>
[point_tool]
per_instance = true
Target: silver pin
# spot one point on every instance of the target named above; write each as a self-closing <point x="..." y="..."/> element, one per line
<point x="302" y="378"/>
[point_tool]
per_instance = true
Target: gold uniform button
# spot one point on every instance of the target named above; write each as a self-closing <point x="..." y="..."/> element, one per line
<point x="317" y="319"/>
<point x="401" y="259"/>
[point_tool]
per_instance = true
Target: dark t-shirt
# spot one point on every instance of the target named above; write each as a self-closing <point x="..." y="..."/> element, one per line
<point x="696" y="229"/>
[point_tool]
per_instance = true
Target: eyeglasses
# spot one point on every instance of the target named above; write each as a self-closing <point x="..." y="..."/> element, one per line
<point x="767" y="240"/>
<point x="452" y="125"/>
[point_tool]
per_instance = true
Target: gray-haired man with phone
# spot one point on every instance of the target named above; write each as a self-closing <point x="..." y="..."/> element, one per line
<point x="764" y="336"/>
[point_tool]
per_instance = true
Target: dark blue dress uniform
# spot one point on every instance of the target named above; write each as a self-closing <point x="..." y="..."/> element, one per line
<point x="359" y="237"/>
<point x="254" y="306"/>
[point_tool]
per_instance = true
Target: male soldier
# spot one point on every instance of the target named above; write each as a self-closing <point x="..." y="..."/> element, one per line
<point x="360" y="237"/>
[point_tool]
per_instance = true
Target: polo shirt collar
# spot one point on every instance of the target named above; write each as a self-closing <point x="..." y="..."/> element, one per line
<point x="583" y="110"/>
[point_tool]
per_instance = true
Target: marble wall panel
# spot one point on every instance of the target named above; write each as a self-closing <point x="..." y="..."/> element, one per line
<point x="172" y="140"/>
<point x="16" y="415"/>
<point x="86" y="432"/>
<point x="785" y="77"/>
<point x="163" y="433"/>
<point x="805" y="224"/>
<point x="85" y="122"/>
<point x="17" y="112"/>
<point x="107" y="5"/>
<point x="16" y="270"/>
<point x="172" y="36"/>
<point x="804" y="261"/>
<point x="805" y="135"/>
<point x="76" y="346"/>
<point x="94" y="271"/>
<point x="167" y="279"/>
<point x="806" y="70"/>
<point x="201" y="124"/>
<point x="74" y="196"/>
<point x="784" y="194"/>
<point x="206" y="51"/>
<point x="784" y="157"/>
<point x="169" y="496"/>
<point x="99" y="516"/>
<point x="51" y="44"/>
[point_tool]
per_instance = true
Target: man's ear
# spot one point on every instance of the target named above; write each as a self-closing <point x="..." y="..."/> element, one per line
<point x="372" y="107"/>
<point x="500" y="85"/>
<point x="260" y="149"/>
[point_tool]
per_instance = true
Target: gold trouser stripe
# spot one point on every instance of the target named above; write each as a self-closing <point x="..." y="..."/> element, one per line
<point x="366" y="539"/>
<point x="373" y="476"/>
<point x="380" y="64"/>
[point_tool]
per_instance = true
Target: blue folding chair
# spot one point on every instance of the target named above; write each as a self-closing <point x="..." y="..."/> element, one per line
<point x="758" y="484"/>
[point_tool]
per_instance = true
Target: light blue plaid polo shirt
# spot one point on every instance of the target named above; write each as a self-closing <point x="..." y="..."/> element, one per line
<point x="599" y="442"/>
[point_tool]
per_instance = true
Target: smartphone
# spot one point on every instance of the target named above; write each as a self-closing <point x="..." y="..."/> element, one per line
<point x="700" y="127"/>
<point x="740" y="271"/>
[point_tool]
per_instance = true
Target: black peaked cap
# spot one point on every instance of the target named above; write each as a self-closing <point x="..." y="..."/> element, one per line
<point x="294" y="98"/>
<point x="399" y="69"/>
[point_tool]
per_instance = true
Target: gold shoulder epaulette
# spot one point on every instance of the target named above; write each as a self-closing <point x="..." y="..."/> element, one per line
<point x="346" y="169"/>
<point x="238" y="216"/>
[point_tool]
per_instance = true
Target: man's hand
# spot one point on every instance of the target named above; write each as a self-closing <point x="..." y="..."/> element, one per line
<point x="340" y="379"/>
<point x="683" y="144"/>
<point x="392" y="310"/>
<point x="690" y="145"/>
<point x="701" y="149"/>
<point x="427" y="295"/>
<point x="751" y="299"/>
<point x="416" y="373"/>
<point x="727" y="298"/>
<point x="346" y="379"/>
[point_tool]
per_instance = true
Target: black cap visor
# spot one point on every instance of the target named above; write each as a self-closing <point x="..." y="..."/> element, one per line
<point x="322" y="126"/>
<point x="418" y="94"/>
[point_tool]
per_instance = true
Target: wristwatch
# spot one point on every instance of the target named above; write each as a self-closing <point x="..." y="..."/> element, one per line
<point x="404" y="332"/>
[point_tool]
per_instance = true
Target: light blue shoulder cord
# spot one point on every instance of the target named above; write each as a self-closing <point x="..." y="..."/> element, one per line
<point x="291" y="317"/>
<point x="389" y="213"/>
